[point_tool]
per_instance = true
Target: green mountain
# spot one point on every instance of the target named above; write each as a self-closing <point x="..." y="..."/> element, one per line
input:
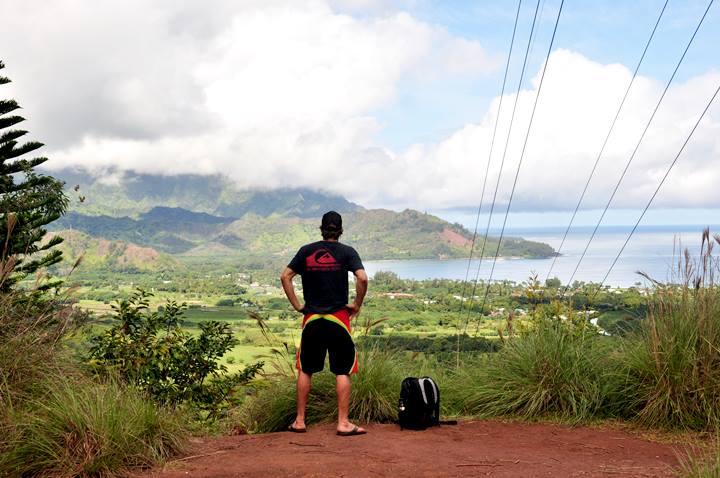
<point x="187" y="217"/>
<point x="377" y="234"/>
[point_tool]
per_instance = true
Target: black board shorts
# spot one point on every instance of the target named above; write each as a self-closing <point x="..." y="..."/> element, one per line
<point x="327" y="334"/>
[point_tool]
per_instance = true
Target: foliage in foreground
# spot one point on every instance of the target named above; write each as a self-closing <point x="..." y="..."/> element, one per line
<point x="373" y="398"/>
<point x="669" y="376"/>
<point x="31" y="328"/>
<point x="666" y="375"/>
<point x="554" y="368"/>
<point x="698" y="467"/>
<point x="54" y="420"/>
<point x="152" y="352"/>
<point x="82" y="428"/>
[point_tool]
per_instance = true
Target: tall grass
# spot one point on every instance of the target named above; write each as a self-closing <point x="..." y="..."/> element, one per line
<point x="669" y="376"/>
<point x="30" y="333"/>
<point x="697" y="467"/>
<point x="701" y="463"/>
<point x="374" y="395"/>
<point x="549" y="370"/>
<point x="54" y="421"/>
<point x="82" y="428"/>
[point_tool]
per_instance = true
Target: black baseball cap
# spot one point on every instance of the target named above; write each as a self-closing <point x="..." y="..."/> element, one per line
<point x="331" y="221"/>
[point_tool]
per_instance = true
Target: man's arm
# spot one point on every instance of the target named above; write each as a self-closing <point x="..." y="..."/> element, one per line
<point x="286" y="278"/>
<point x="361" y="285"/>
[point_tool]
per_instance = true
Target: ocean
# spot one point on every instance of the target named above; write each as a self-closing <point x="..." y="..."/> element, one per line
<point x="653" y="250"/>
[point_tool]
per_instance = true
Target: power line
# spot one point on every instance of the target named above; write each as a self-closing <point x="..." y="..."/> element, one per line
<point x="607" y="137"/>
<point x="492" y="145"/>
<point x="502" y="162"/>
<point x="540" y="15"/>
<point x="487" y="168"/>
<point x="662" y="181"/>
<point x="522" y="153"/>
<point x="632" y="156"/>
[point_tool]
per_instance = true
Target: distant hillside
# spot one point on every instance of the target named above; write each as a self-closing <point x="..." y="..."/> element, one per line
<point x="116" y="256"/>
<point x="135" y="194"/>
<point x="377" y="234"/>
<point x="208" y="217"/>
<point x="383" y="234"/>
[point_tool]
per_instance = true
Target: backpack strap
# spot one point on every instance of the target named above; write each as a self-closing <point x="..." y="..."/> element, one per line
<point x="436" y="392"/>
<point x="435" y="417"/>
<point x="421" y="382"/>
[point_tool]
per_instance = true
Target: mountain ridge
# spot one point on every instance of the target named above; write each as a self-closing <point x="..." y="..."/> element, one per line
<point x="258" y="225"/>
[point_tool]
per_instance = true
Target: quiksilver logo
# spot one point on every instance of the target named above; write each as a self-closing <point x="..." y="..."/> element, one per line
<point x="322" y="260"/>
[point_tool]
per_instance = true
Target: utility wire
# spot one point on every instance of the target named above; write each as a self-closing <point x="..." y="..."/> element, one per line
<point x="492" y="144"/>
<point x="532" y="41"/>
<point x="522" y="153"/>
<point x="487" y="170"/>
<point x="607" y="137"/>
<point x="652" y="198"/>
<point x="632" y="156"/>
<point x="502" y="162"/>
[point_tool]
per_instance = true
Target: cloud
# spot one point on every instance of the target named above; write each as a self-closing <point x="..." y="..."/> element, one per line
<point x="283" y="93"/>
<point x="271" y="93"/>
<point x="578" y="102"/>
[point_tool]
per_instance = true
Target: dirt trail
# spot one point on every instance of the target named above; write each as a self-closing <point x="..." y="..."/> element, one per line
<point x="481" y="448"/>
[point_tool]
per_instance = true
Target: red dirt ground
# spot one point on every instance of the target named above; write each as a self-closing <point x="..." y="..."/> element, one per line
<point x="480" y="448"/>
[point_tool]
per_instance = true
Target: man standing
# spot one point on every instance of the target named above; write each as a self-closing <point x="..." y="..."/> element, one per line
<point x="324" y="267"/>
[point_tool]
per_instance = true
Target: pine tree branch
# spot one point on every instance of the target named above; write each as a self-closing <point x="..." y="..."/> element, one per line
<point x="20" y="165"/>
<point x="6" y="106"/>
<point x="10" y="120"/>
<point x="11" y="135"/>
<point x="9" y="151"/>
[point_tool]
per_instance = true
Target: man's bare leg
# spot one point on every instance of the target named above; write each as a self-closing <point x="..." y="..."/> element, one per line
<point x="304" y="383"/>
<point x="342" y="387"/>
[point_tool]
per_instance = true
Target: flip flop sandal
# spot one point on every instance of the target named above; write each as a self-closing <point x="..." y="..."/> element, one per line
<point x="355" y="431"/>
<point x="296" y="430"/>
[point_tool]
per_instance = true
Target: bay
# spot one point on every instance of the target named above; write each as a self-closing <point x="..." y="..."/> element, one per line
<point x="652" y="249"/>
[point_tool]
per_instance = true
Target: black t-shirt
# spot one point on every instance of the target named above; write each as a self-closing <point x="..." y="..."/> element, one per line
<point x="324" y="267"/>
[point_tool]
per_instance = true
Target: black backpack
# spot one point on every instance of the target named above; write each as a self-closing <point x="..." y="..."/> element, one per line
<point x="419" y="405"/>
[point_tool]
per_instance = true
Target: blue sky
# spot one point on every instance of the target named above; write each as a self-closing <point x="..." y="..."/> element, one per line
<point x="607" y="31"/>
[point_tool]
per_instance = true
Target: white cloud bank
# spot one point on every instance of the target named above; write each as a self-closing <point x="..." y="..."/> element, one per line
<point x="285" y="93"/>
<point x="578" y="102"/>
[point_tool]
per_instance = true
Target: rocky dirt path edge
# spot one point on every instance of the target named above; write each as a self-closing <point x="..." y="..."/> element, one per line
<point x="472" y="448"/>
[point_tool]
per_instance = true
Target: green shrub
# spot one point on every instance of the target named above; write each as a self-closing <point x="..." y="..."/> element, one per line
<point x="446" y="345"/>
<point x="552" y="369"/>
<point x="70" y="426"/>
<point x="152" y="352"/>
<point x="669" y="375"/>
<point x="81" y="428"/>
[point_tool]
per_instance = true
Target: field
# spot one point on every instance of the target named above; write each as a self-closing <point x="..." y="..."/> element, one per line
<point x="418" y="316"/>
